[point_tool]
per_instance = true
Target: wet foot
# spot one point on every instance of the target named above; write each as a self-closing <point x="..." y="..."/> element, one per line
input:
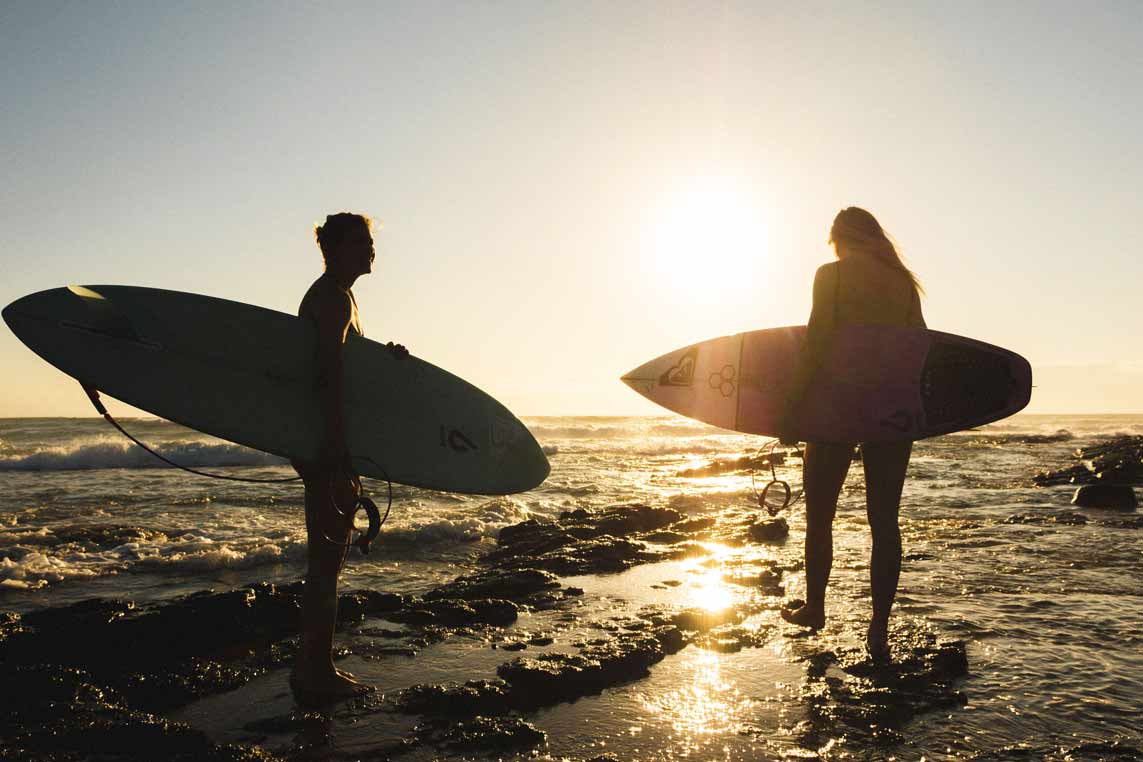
<point x="803" y="615"/>
<point x="877" y="644"/>
<point x="326" y="687"/>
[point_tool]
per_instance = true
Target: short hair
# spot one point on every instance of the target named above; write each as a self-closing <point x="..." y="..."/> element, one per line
<point x="336" y="226"/>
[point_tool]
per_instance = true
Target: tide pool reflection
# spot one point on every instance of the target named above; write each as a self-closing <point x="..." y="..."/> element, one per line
<point x="708" y="590"/>
<point x="704" y="703"/>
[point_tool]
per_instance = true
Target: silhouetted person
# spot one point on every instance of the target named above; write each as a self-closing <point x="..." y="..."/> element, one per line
<point x="346" y="242"/>
<point x="867" y="284"/>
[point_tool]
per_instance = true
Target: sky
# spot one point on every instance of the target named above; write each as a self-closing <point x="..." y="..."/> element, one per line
<point x="568" y="189"/>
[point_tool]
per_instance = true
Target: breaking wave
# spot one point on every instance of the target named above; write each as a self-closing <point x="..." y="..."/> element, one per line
<point x="114" y="454"/>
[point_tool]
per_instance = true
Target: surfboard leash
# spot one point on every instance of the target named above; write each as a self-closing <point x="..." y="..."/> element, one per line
<point x="361" y="503"/>
<point x="788" y="498"/>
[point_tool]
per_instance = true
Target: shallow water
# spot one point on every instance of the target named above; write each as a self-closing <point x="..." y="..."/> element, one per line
<point x="1050" y="612"/>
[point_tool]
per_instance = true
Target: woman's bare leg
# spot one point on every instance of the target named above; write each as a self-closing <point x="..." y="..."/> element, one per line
<point x="885" y="468"/>
<point x="826" y="465"/>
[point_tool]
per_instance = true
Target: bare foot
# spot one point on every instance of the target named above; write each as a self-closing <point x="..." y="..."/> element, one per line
<point x="326" y="687"/>
<point x="804" y="616"/>
<point x="877" y="643"/>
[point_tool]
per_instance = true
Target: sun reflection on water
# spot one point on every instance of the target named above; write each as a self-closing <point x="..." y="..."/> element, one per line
<point x="705" y="703"/>
<point x="708" y="590"/>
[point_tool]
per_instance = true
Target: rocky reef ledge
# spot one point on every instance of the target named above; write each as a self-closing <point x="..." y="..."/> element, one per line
<point x="96" y="679"/>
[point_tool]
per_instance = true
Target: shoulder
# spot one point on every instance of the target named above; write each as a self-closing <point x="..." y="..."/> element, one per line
<point x="828" y="270"/>
<point x="826" y="276"/>
<point x="327" y="302"/>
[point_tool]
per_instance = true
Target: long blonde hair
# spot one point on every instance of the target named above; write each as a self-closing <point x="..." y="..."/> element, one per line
<point x="858" y="230"/>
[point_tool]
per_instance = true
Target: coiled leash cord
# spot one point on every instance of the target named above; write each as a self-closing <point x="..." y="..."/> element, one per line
<point x="360" y="503"/>
<point x="788" y="499"/>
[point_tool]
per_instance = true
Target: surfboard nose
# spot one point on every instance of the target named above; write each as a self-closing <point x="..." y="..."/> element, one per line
<point x="643" y="378"/>
<point x="32" y="307"/>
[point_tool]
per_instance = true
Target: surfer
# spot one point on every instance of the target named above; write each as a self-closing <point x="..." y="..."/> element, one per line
<point x="867" y="284"/>
<point x="346" y="242"/>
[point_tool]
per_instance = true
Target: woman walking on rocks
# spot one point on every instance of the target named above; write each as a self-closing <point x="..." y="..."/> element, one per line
<point x="867" y="284"/>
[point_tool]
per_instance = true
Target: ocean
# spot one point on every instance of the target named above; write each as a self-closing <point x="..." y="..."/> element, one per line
<point x="1050" y="610"/>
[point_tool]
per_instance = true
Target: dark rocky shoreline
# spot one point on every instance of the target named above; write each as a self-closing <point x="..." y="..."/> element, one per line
<point x="95" y="678"/>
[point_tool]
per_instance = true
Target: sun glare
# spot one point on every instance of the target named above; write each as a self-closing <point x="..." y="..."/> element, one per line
<point x="709" y="237"/>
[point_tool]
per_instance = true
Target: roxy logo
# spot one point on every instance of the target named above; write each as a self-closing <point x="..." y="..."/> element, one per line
<point x="681" y="373"/>
<point x="900" y="420"/>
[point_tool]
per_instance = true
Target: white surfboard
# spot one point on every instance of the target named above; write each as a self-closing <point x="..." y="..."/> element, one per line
<point x="246" y="374"/>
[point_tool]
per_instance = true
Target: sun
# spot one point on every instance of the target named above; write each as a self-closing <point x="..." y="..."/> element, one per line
<point x="709" y="237"/>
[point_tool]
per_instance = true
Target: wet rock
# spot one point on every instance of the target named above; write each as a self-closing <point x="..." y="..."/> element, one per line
<point x="766" y="580"/>
<point x="1069" y="475"/>
<point x="1117" y="461"/>
<point x="482" y="734"/>
<point x="553" y="678"/>
<point x="1119" y="497"/>
<point x="182" y="683"/>
<point x="355" y="607"/>
<point x="63" y="714"/>
<point x="769" y="530"/>
<point x="11" y="624"/>
<point x="527" y="683"/>
<point x="745" y="463"/>
<point x="163" y="656"/>
<point x="666" y="537"/>
<point x="848" y="694"/>
<point x="532" y="537"/>
<point x="488" y="697"/>
<point x="503" y="585"/>
<point x="693" y="526"/>
<point x="671" y="639"/>
<point x="454" y="612"/>
<point x="1070" y="518"/>
<point x="537" y="544"/>
<point x="601" y="555"/>
<point x="1132" y="523"/>
<point x="733" y="638"/>
<point x="619" y="520"/>
<point x="701" y="620"/>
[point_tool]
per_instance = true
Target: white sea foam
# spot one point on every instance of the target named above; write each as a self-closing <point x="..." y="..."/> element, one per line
<point x="469" y="525"/>
<point x="102" y="454"/>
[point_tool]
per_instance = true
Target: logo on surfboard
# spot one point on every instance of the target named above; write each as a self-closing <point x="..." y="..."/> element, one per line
<point x="901" y="420"/>
<point x="681" y="373"/>
<point x="456" y="440"/>
<point x="723" y="380"/>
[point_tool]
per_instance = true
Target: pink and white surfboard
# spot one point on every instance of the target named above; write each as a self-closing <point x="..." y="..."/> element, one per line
<point x="877" y="383"/>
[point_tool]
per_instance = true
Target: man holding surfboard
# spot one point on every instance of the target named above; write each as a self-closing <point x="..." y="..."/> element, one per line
<point x="346" y="242"/>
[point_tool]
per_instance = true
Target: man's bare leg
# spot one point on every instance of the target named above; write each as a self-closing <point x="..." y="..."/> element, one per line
<point x="314" y="674"/>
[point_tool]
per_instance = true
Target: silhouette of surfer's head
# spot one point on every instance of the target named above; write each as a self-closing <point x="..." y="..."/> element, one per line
<point x="856" y="231"/>
<point x="346" y="242"/>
